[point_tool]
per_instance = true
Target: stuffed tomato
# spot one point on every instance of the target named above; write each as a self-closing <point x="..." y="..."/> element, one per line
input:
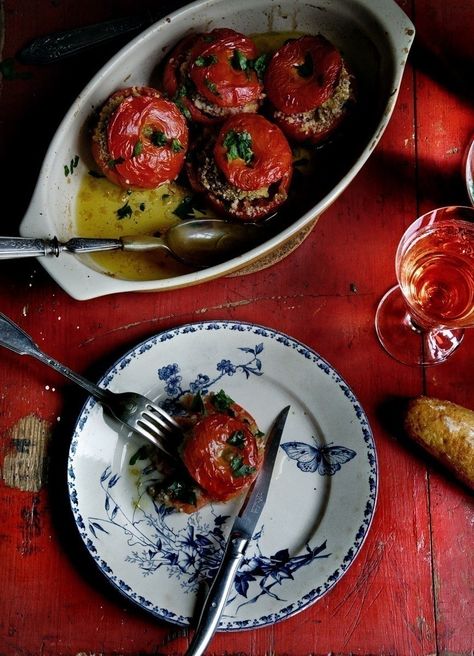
<point x="140" y="139"/>
<point x="309" y="88"/>
<point x="213" y="75"/>
<point x="245" y="171"/>
<point x="221" y="454"/>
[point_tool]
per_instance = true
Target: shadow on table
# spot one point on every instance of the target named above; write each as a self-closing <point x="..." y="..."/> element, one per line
<point x="62" y="517"/>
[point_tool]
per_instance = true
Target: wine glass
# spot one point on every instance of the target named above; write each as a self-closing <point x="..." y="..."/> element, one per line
<point x="421" y="321"/>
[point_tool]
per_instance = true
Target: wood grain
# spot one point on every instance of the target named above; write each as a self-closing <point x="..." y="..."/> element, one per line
<point x="410" y="591"/>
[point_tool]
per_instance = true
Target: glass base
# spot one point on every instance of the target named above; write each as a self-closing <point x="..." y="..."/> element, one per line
<point x="407" y="342"/>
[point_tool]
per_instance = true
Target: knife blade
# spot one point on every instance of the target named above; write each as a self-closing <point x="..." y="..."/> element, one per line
<point x="237" y="542"/>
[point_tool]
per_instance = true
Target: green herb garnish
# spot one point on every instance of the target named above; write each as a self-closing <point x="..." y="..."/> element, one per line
<point x="237" y="439"/>
<point x="238" y="145"/>
<point x="185" y="210"/>
<point x="221" y="401"/>
<point x="197" y="403"/>
<point x="206" y="60"/>
<point x="141" y="454"/>
<point x="239" y="61"/>
<point x="212" y="87"/>
<point x="112" y="163"/>
<point x="137" y="148"/>
<point x="239" y="468"/>
<point x="176" y="145"/>
<point x="158" y="138"/>
<point x="260" y="65"/>
<point x="125" y="211"/>
<point x="181" y="492"/>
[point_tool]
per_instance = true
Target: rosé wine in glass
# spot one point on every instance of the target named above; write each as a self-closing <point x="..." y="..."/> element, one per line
<point x="421" y="321"/>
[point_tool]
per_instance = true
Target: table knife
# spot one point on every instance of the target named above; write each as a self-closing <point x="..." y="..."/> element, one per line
<point x="237" y="543"/>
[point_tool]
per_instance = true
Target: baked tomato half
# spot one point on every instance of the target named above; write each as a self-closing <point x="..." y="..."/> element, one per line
<point x="212" y="75"/>
<point x="252" y="153"/>
<point x="302" y="74"/>
<point x="245" y="171"/>
<point x="220" y="66"/>
<point x="141" y="139"/>
<point x="176" y="82"/>
<point x="222" y="455"/>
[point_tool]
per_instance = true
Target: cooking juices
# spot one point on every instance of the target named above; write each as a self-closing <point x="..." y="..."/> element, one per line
<point x="105" y="210"/>
<point x="435" y="266"/>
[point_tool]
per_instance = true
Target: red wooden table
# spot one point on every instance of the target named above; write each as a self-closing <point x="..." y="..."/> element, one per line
<point x="411" y="589"/>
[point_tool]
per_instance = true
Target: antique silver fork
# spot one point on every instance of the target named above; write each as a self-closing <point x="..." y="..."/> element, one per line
<point x="133" y="410"/>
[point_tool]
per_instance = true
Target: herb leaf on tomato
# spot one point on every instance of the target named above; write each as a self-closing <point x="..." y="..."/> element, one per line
<point x="238" y="145"/>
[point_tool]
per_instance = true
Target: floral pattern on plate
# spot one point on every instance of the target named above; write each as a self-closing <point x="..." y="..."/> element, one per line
<point x="321" y="500"/>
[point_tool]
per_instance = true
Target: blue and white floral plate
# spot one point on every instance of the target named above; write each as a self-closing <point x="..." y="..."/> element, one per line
<point x="321" y="500"/>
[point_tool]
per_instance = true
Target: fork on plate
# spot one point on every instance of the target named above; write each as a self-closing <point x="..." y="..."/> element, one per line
<point x="134" y="410"/>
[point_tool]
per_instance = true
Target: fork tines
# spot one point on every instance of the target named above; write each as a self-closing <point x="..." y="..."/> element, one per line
<point x="160" y="428"/>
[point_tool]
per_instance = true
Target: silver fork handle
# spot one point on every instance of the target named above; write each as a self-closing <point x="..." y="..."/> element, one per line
<point x="14" y="338"/>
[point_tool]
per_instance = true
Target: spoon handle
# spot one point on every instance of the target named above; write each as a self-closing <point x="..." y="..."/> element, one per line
<point x="15" y="247"/>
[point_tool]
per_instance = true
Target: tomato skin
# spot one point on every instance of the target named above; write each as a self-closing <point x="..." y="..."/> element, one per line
<point x="207" y="455"/>
<point x="219" y="82"/>
<point x="174" y="81"/>
<point x="293" y="90"/>
<point x="126" y="139"/>
<point x="272" y="158"/>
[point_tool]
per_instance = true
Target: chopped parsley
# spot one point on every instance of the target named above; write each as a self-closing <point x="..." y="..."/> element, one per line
<point x="212" y="86"/>
<point x="141" y="454"/>
<point x="238" y="145"/>
<point x="186" y="208"/>
<point x="176" y="145"/>
<point x="221" y="401"/>
<point x="239" y="61"/>
<point x="260" y="65"/>
<point x="237" y="439"/>
<point x="239" y="468"/>
<point x="197" y="404"/>
<point x="158" y="138"/>
<point x="72" y="165"/>
<point x="181" y="492"/>
<point x="206" y="60"/>
<point x="138" y="148"/>
<point x="112" y="163"/>
<point x="125" y="211"/>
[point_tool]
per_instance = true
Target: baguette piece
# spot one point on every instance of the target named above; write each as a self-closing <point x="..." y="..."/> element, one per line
<point x="446" y="431"/>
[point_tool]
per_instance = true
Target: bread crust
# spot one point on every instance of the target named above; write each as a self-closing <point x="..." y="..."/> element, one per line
<point x="446" y="431"/>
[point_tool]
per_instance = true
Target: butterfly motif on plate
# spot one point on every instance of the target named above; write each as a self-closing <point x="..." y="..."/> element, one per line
<point x="326" y="460"/>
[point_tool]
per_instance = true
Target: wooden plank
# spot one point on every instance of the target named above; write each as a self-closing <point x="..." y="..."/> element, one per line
<point x="410" y="589"/>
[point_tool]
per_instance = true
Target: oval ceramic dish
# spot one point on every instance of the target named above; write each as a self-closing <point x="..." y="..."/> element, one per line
<point x="374" y="38"/>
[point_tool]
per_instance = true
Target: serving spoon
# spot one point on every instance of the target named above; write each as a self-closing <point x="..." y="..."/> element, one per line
<point x="198" y="242"/>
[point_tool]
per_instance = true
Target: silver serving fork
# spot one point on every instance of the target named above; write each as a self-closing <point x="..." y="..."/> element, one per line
<point x="134" y="410"/>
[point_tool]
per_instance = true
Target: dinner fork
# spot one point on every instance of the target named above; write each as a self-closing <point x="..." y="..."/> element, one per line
<point x="135" y="411"/>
